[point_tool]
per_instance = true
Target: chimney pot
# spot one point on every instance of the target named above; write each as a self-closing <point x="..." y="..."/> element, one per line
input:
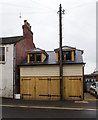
<point x="25" y="22"/>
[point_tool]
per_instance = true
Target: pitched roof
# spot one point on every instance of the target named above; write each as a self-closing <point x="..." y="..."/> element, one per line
<point x="51" y="59"/>
<point x="11" y="40"/>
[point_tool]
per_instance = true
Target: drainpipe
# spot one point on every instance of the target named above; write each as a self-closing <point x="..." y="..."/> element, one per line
<point x="83" y="81"/>
<point x="13" y="71"/>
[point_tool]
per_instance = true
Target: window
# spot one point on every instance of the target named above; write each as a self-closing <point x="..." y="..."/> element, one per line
<point x="66" y="56"/>
<point x="38" y="57"/>
<point x="35" y="57"/>
<point x="2" y="54"/>
<point x="32" y="57"/>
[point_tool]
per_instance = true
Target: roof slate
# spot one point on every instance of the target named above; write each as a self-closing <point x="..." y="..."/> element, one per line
<point x="35" y="50"/>
<point x="11" y="40"/>
<point x="51" y="59"/>
<point x="65" y="47"/>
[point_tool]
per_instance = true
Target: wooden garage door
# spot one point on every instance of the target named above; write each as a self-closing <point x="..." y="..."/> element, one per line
<point x="40" y="88"/>
<point x="73" y="88"/>
<point x="27" y="88"/>
<point x="49" y="88"/>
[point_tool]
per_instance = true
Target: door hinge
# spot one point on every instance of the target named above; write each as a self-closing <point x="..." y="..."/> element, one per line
<point x="75" y="79"/>
<point x="75" y="96"/>
<point x="26" y="79"/>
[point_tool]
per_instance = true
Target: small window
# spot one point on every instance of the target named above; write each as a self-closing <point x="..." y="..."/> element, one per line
<point x="35" y="57"/>
<point x="38" y="57"/>
<point x="66" y="56"/>
<point x="2" y="54"/>
<point x="32" y="57"/>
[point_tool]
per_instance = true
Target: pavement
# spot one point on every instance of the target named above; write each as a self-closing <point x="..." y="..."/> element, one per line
<point x="49" y="104"/>
<point x="88" y="96"/>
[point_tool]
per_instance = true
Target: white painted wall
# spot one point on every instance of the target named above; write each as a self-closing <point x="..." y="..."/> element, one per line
<point x="51" y="70"/>
<point x="6" y="73"/>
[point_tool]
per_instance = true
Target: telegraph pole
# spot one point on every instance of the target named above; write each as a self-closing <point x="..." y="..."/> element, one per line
<point x="60" y="12"/>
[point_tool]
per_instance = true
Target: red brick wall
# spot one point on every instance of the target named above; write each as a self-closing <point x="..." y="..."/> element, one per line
<point x="24" y="45"/>
<point x="20" y="53"/>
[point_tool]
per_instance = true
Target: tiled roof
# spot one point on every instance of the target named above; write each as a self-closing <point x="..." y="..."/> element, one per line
<point x="11" y="40"/>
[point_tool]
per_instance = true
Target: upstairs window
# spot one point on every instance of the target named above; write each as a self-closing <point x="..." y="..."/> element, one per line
<point x="32" y="57"/>
<point x="2" y="54"/>
<point x="35" y="57"/>
<point x="66" y="56"/>
<point x="38" y="57"/>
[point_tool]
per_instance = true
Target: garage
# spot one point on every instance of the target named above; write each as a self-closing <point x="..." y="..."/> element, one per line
<point x="40" y="75"/>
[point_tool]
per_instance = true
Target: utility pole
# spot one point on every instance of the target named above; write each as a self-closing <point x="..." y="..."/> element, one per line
<point x="60" y="12"/>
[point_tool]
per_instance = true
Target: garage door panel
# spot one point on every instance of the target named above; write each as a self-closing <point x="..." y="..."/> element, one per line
<point x="32" y="88"/>
<point x="55" y="87"/>
<point x="27" y="86"/>
<point x="73" y="87"/>
<point x="43" y="86"/>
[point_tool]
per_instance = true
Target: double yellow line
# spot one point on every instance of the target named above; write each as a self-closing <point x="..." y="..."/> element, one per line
<point x="43" y="107"/>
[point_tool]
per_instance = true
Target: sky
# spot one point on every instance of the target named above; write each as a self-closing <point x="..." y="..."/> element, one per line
<point x="78" y="24"/>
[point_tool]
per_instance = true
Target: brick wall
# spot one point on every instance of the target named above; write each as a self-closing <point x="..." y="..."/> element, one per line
<point x="20" y="52"/>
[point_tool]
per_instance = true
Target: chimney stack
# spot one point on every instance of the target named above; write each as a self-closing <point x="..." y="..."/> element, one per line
<point x="27" y="24"/>
<point x="27" y="29"/>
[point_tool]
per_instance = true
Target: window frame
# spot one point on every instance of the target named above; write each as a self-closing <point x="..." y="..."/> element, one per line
<point x="64" y="53"/>
<point x="35" y="58"/>
<point x="2" y="62"/>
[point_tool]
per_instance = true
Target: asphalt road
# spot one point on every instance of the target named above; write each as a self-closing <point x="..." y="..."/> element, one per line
<point x="25" y="112"/>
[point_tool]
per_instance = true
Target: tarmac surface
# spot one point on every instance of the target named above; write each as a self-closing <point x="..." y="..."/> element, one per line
<point x="17" y="108"/>
<point x="90" y="104"/>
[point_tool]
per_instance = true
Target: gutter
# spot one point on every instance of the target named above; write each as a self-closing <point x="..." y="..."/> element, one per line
<point x="47" y="64"/>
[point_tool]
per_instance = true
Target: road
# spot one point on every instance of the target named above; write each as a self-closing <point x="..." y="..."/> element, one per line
<point x="46" y="112"/>
<point x="13" y="108"/>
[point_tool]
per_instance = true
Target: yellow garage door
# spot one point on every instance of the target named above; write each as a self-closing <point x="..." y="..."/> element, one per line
<point x="27" y="88"/>
<point x="40" y="88"/>
<point x="49" y="88"/>
<point x="73" y="88"/>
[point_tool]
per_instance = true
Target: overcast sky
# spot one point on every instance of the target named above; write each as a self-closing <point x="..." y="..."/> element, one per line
<point x="79" y="24"/>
